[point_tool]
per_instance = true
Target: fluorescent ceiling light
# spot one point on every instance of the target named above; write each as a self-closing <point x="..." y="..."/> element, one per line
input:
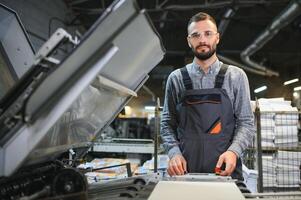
<point x="297" y="88"/>
<point x="296" y="95"/>
<point x="291" y="81"/>
<point x="260" y="89"/>
<point x="150" y="108"/>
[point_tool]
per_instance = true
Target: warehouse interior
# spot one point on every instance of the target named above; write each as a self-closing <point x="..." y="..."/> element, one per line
<point x="122" y="130"/>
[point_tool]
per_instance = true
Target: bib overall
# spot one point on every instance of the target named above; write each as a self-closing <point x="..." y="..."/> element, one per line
<point x="206" y="125"/>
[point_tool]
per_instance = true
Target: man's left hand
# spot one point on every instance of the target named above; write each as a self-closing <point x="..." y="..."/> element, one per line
<point x="229" y="158"/>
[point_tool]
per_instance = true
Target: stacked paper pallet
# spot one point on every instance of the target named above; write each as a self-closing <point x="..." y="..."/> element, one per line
<point x="269" y="170"/>
<point x="267" y="129"/>
<point x="288" y="168"/>
<point x="279" y="121"/>
<point x="286" y="129"/>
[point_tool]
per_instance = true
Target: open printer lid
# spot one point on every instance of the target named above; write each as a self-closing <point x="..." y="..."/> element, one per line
<point x="82" y="96"/>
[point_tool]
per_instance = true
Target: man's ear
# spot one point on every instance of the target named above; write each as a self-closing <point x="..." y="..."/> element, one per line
<point x="218" y="37"/>
<point x="188" y="42"/>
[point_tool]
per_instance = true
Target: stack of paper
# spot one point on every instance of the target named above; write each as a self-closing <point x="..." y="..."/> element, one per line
<point x="288" y="168"/>
<point x="274" y="104"/>
<point x="250" y="178"/>
<point x="107" y="173"/>
<point x="278" y="123"/>
<point x="267" y="124"/>
<point x="286" y="136"/>
<point x="278" y="128"/>
<point x="269" y="171"/>
<point x="289" y="118"/>
<point x="148" y="166"/>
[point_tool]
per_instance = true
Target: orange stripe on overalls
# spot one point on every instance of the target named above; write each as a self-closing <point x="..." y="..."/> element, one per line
<point x="217" y="128"/>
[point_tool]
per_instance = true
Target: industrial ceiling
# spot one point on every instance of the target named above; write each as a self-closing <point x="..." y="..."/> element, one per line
<point x="263" y="37"/>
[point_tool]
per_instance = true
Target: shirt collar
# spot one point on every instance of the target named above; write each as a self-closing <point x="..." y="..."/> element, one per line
<point x="213" y="68"/>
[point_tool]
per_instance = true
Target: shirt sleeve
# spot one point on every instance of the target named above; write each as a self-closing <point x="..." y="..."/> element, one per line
<point x="169" y="121"/>
<point x="244" y="127"/>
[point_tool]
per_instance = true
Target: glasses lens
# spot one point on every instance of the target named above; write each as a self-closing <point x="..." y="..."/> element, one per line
<point x="196" y="35"/>
<point x="206" y="34"/>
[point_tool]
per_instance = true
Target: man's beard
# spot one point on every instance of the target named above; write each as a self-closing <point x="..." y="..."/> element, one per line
<point x="203" y="55"/>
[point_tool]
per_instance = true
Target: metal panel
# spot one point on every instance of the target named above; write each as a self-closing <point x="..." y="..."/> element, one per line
<point x="123" y="148"/>
<point x="196" y="190"/>
<point x="15" y="42"/>
<point x="67" y="109"/>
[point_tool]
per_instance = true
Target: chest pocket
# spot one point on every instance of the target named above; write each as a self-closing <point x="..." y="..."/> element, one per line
<point x="204" y="112"/>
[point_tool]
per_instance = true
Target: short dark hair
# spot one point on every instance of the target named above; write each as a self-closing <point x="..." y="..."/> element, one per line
<point x="201" y="16"/>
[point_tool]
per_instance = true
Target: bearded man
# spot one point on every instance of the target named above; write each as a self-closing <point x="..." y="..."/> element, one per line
<point x="207" y="121"/>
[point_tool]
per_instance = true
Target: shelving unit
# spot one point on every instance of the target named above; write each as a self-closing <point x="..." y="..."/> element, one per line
<point x="278" y="151"/>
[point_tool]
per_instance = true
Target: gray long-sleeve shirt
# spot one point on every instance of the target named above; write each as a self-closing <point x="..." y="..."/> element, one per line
<point x="237" y="87"/>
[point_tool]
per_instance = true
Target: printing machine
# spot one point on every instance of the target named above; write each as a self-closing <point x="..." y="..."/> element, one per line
<point x="59" y="107"/>
<point x="51" y="110"/>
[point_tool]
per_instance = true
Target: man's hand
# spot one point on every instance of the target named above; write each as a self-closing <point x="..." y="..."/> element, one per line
<point x="229" y="158"/>
<point x="177" y="165"/>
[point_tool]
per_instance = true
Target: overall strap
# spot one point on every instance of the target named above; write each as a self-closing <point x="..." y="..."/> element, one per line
<point x="219" y="79"/>
<point x="186" y="78"/>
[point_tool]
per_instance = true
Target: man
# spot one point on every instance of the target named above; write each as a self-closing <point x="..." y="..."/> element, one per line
<point x="207" y="121"/>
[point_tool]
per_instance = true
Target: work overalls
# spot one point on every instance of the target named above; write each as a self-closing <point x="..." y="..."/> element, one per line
<point x="206" y="125"/>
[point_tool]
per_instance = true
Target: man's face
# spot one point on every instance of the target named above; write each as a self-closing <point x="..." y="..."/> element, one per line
<point x="203" y="39"/>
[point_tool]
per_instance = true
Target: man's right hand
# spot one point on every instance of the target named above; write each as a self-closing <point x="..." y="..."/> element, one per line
<point x="177" y="166"/>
